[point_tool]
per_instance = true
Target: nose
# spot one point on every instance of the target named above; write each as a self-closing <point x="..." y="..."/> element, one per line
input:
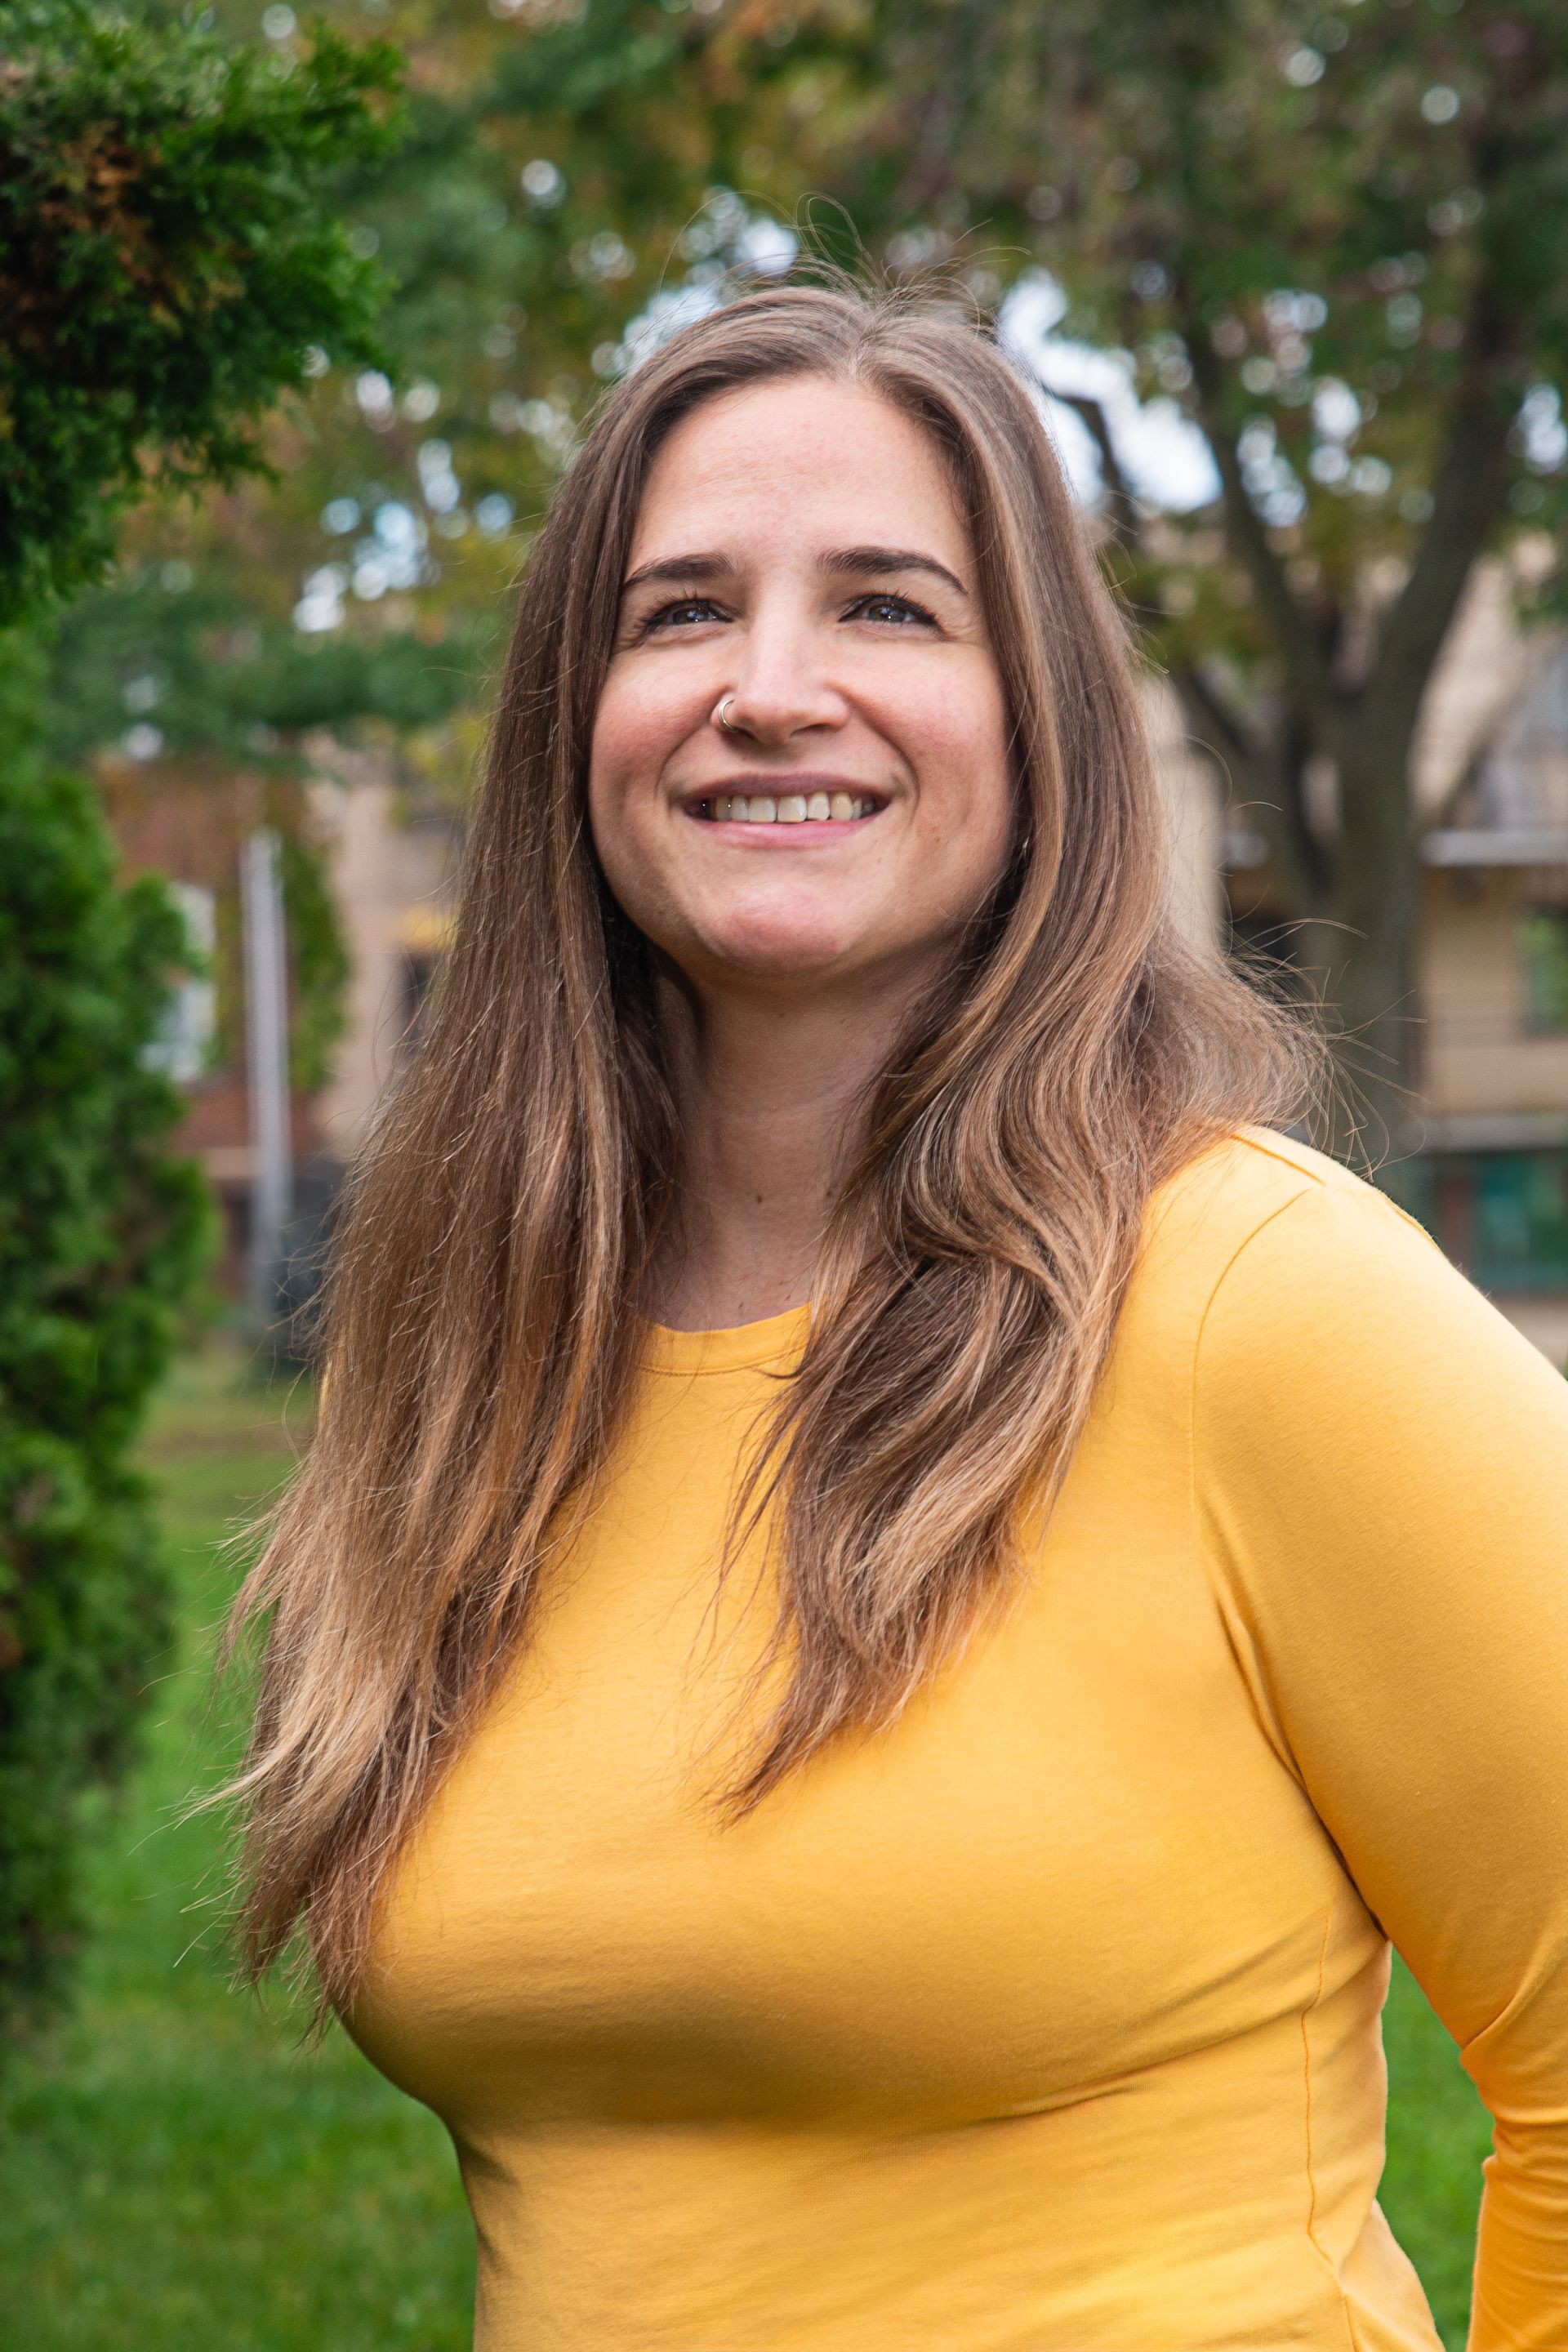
<point x="782" y="686"/>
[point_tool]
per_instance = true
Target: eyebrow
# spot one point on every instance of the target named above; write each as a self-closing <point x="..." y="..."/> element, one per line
<point x="880" y="563"/>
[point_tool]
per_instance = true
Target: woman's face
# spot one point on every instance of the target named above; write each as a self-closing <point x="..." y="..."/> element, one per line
<point x="800" y="564"/>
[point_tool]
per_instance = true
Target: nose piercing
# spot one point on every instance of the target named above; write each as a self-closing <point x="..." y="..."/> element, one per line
<point x="723" y="722"/>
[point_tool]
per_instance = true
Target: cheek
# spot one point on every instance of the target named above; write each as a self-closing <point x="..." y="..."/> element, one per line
<point x="632" y="738"/>
<point x="639" y="728"/>
<point x="961" y="756"/>
<point x="622" y="745"/>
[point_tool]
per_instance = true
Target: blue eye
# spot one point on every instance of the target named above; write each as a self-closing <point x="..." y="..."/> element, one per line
<point x="683" y="616"/>
<point x="898" y="610"/>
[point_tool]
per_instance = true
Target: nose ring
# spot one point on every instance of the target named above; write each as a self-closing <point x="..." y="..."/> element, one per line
<point x="723" y="722"/>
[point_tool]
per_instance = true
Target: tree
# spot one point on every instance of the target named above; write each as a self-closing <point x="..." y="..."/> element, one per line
<point x="168" y="251"/>
<point x="168" y="264"/>
<point x="1331" y="233"/>
<point x="102" y="1238"/>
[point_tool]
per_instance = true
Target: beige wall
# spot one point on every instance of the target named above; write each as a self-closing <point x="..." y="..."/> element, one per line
<point x="1480" y="1056"/>
<point x="1190" y="793"/>
<point x="1482" y="670"/>
<point x="392" y="881"/>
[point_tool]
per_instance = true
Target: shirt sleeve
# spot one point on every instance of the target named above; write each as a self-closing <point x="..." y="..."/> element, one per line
<point x="1382" y="1471"/>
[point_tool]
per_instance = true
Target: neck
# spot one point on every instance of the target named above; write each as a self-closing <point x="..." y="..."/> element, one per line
<point x="771" y="1103"/>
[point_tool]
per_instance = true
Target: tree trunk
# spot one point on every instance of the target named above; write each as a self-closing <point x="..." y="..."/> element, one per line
<point x="1368" y="984"/>
<point x="1364" y="943"/>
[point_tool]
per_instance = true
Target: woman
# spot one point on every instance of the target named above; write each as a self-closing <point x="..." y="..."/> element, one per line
<point x="896" y="1596"/>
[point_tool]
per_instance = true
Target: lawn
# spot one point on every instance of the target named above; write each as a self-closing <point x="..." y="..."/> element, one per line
<point x="175" y="2171"/>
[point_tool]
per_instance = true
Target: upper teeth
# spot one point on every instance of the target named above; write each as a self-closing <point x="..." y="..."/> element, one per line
<point x="789" y="808"/>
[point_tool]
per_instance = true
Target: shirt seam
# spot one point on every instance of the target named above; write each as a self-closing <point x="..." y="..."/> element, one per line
<point x="1308" y="2013"/>
<point x="1310" y="1187"/>
<point x="1259" y="1139"/>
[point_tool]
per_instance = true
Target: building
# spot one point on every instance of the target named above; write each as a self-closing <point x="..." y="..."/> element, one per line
<point x="1491" y="1010"/>
<point x="1494" y="985"/>
<point x="393" y="868"/>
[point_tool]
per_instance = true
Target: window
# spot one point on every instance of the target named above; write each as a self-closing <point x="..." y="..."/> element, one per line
<point x="1543" y="952"/>
<point x="1502" y="1215"/>
<point x="182" y="1048"/>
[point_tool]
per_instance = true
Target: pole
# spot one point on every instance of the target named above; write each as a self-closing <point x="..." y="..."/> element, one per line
<point x="267" y="1039"/>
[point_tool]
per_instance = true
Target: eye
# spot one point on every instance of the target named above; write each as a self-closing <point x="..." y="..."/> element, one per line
<point x="899" y="612"/>
<point x="688" y="613"/>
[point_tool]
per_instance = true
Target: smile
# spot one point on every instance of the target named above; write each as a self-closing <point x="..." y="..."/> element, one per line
<point x="786" y="808"/>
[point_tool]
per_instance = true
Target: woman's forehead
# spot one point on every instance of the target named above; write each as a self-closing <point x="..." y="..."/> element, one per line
<point x="799" y="459"/>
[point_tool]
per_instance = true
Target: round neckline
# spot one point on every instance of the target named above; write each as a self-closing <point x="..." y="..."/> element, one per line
<point x="735" y="1349"/>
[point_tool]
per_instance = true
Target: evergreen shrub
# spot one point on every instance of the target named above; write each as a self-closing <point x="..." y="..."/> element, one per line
<point x="102" y="1236"/>
<point x="173" y="260"/>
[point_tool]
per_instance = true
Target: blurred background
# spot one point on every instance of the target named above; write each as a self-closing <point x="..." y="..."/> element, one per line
<point x="299" y="320"/>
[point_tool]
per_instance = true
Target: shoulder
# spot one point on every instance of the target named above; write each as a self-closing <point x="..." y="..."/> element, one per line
<point x="1256" y="1201"/>
<point x="1285" y="1281"/>
<point x="1247" y="1180"/>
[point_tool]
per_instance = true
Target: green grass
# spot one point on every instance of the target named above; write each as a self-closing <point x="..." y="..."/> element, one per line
<point x="176" y="2171"/>
<point x="1438" y="2134"/>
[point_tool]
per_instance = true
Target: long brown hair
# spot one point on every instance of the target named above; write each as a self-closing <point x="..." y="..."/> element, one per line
<point x="480" y="1338"/>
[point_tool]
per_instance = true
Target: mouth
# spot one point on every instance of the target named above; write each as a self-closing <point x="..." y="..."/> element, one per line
<point x="820" y="810"/>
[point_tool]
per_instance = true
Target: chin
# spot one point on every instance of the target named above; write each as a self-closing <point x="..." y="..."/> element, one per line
<point x="784" y="946"/>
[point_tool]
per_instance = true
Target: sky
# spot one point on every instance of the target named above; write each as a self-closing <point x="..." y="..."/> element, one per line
<point x="1165" y="458"/>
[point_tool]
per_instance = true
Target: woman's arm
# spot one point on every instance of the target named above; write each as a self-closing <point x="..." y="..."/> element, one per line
<point x="1381" y="1469"/>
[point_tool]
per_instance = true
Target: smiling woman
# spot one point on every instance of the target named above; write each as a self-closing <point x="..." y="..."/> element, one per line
<point x="896" y="1595"/>
<point x="799" y="773"/>
<point x="826" y="646"/>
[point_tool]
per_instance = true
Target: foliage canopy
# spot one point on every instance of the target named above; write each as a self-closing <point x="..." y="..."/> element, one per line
<point x="169" y="263"/>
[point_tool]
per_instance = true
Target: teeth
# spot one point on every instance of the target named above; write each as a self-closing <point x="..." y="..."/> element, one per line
<point x="790" y="808"/>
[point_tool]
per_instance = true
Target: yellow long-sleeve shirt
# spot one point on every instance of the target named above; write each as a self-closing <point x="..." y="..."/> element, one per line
<point x="1049" y="2019"/>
